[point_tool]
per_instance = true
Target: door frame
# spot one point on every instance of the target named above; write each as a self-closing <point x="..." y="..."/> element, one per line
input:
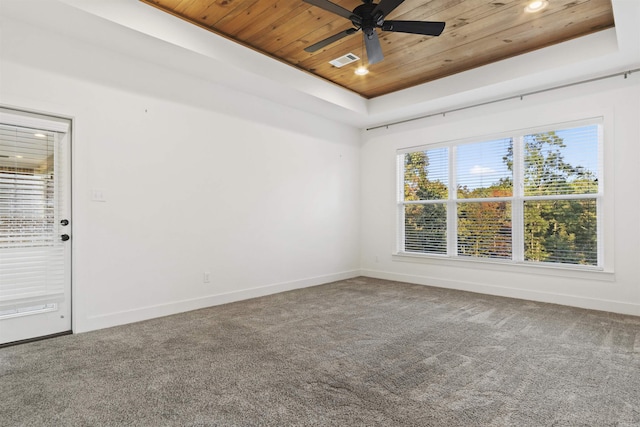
<point x="69" y="170"/>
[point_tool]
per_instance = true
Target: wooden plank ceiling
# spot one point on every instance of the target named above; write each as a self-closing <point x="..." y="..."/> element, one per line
<point x="478" y="32"/>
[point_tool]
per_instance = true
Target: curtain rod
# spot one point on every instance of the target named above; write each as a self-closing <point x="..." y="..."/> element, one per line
<point x="508" y="98"/>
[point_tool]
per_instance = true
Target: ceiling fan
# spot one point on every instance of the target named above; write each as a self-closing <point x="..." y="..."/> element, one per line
<point x="369" y="16"/>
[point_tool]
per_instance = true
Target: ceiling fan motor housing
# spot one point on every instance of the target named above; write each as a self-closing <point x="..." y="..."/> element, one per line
<point x="364" y="14"/>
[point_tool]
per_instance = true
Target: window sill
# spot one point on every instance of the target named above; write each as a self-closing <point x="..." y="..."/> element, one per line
<point x="546" y="269"/>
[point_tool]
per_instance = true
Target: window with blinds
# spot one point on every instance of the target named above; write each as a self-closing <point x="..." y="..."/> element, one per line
<point x="529" y="197"/>
<point x="32" y="258"/>
<point x="26" y="187"/>
<point x="426" y="191"/>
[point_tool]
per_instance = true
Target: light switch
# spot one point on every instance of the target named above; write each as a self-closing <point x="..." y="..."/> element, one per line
<point x="98" y="195"/>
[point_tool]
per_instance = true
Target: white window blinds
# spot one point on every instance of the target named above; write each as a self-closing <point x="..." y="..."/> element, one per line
<point x="425" y="186"/>
<point x="529" y="197"/>
<point x="32" y="257"/>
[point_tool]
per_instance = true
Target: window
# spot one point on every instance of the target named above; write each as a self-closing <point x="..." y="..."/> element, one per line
<point x="529" y="197"/>
<point x="27" y="203"/>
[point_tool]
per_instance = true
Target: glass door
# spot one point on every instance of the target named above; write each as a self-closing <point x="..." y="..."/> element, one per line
<point x="35" y="227"/>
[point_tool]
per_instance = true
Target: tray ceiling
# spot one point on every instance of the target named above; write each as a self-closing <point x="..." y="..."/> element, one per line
<point x="478" y="32"/>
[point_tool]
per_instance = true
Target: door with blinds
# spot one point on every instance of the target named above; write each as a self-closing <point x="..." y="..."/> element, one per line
<point x="35" y="226"/>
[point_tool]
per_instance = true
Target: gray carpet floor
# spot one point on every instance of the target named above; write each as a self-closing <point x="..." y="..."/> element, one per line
<point x="360" y="352"/>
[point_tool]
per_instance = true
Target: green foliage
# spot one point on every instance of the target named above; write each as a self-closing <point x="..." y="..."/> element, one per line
<point x="426" y="228"/>
<point x="561" y="231"/>
<point x="484" y="229"/>
<point x="417" y="185"/>
<point x="425" y="225"/>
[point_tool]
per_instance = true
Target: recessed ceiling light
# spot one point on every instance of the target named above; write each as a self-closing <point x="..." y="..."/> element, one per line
<point x="40" y="135"/>
<point x="536" y="6"/>
<point x="361" y="71"/>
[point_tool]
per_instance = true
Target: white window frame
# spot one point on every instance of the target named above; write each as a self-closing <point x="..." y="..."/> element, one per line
<point x="516" y="200"/>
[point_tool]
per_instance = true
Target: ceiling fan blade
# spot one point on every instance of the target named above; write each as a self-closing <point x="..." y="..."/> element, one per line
<point x="326" y="42"/>
<point x="426" y="28"/>
<point x="372" y="43"/>
<point x="385" y="7"/>
<point x="331" y="7"/>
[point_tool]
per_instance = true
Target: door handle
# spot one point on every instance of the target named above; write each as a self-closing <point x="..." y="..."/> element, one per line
<point x="64" y="237"/>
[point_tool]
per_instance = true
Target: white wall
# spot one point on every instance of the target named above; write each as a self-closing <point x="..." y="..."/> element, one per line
<point x="617" y="289"/>
<point x="197" y="178"/>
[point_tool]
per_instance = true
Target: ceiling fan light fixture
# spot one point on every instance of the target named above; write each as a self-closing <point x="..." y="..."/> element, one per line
<point x="367" y="18"/>
<point x="536" y="6"/>
<point x="361" y="71"/>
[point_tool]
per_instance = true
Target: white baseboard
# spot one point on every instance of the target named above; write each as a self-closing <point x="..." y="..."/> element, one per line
<point x="482" y="288"/>
<point x="150" y="312"/>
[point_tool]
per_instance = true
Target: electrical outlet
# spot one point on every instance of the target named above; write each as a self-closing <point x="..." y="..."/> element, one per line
<point x="206" y="277"/>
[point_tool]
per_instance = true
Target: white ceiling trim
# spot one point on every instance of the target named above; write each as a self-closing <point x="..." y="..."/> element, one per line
<point x="128" y="25"/>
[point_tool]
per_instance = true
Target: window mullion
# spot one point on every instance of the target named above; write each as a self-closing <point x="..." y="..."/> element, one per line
<point x="599" y="200"/>
<point x="517" y="206"/>
<point x="452" y="207"/>
<point x="400" y="203"/>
